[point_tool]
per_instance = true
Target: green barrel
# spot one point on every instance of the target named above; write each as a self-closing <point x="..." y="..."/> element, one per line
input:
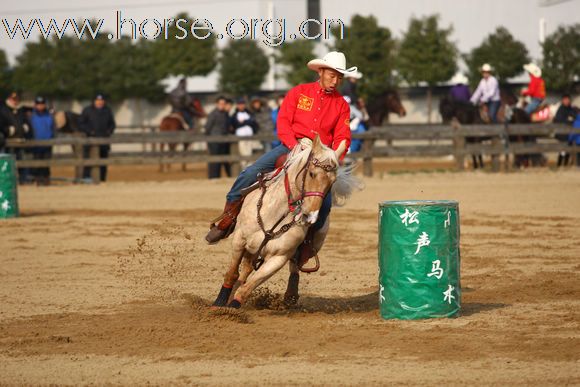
<point x="419" y="259"/>
<point x="8" y="187"/>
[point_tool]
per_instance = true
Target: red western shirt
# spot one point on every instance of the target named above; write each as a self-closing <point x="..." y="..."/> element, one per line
<point x="536" y="88"/>
<point x="308" y="110"/>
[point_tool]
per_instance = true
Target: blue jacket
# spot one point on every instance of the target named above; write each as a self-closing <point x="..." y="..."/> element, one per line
<point x="42" y="125"/>
<point x="575" y="138"/>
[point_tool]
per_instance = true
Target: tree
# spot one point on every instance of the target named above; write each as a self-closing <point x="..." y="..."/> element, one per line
<point x="5" y="75"/>
<point x="561" y="64"/>
<point x="295" y="55"/>
<point x="189" y="56"/>
<point x="243" y="67"/>
<point x="504" y="53"/>
<point x="370" y="47"/>
<point x="427" y="55"/>
<point x="72" y="68"/>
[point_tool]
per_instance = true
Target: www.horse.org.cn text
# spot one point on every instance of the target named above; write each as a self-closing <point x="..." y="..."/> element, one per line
<point x="272" y="32"/>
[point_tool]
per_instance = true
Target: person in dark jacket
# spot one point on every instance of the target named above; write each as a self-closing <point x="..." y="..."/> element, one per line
<point x="263" y="116"/>
<point x="244" y="124"/>
<point x="97" y="120"/>
<point x="566" y="114"/>
<point x="218" y="124"/>
<point x="15" y="117"/>
<point x="42" y="124"/>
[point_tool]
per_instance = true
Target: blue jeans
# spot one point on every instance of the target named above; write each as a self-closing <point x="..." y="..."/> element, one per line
<point x="533" y="105"/>
<point x="267" y="163"/>
<point x="492" y="108"/>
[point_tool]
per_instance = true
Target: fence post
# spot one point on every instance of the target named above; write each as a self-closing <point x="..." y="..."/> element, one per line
<point x="78" y="153"/>
<point x="236" y="166"/>
<point x="367" y="148"/>
<point x="95" y="171"/>
<point x="458" y="145"/>
<point x="496" y="145"/>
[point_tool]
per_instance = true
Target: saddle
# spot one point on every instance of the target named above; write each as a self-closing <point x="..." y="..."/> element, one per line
<point x="541" y="114"/>
<point x="179" y="117"/>
<point x="279" y="164"/>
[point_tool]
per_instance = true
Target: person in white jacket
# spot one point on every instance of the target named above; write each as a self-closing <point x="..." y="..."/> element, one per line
<point x="487" y="92"/>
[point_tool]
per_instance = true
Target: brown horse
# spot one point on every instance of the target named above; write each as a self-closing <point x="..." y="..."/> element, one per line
<point x="175" y="122"/>
<point x="380" y="107"/>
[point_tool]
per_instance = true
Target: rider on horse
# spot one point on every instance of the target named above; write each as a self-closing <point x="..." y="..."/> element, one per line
<point x="307" y="110"/>
<point x="181" y="102"/>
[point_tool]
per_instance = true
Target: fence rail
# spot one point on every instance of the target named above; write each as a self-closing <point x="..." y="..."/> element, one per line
<point x="386" y="141"/>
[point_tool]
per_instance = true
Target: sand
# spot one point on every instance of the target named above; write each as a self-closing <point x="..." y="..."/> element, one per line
<point x="110" y="284"/>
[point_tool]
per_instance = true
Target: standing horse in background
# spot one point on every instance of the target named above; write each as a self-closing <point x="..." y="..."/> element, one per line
<point x="380" y="107"/>
<point x="466" y="114"/>
<point x="275" y="218"/>
<point x="175" y="122"/>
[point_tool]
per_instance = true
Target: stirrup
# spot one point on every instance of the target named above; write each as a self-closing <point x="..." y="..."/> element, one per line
<point x="310" y="269"/>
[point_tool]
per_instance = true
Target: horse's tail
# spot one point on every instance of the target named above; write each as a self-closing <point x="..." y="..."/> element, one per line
<point x="346" y="183"/>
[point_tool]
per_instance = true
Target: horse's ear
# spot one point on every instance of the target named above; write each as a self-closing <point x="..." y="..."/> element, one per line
<point x="317" y="145"/>
<point x="341" y="149"/>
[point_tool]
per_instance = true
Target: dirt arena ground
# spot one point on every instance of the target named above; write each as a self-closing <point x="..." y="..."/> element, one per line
<point x="110" y="284"/>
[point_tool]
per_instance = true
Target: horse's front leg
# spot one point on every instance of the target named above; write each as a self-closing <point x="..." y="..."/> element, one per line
<point x="291" y="296"/>
<point x="230" y="278"/>
<point x="267" y="270"/>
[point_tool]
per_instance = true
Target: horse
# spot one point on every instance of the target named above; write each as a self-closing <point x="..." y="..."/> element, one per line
<point x="175" y="122"/>
<point x="467" y="114"/>
<point x="380" y="107"/>
<point x="275" y="218"/>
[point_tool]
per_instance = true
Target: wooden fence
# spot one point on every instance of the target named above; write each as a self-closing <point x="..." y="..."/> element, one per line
<point x="387" y="141"/>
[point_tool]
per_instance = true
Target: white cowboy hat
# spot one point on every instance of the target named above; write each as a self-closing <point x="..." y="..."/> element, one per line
<point x="533" y="69"/>
<point x="334" y="60"/>
<point x="356" y="75"/>
<point x="486" y="68"/>
<point x="459" y="79"/>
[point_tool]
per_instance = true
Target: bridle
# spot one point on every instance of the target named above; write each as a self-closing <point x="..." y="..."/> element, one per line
<point x="294" y="202"/>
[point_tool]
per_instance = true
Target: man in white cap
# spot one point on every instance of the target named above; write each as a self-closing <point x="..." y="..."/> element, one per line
<point x="308" y="110"/>
<point x="536" y="89"/>
<point x="487" y="92"/>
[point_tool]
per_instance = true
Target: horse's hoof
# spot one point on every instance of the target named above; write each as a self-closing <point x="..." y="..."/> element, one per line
<point x="291" y="300"/>
<point x="235" y="304"/>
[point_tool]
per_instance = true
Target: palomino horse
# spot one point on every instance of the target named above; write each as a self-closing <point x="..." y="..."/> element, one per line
<point x="380" y="107"/>
<point x="175" y="122"/>
<point x="275" y="218"/>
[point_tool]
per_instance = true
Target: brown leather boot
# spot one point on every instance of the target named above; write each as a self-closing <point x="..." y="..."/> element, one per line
<point x="226" y="224"/>
<point x="306" y="251"/>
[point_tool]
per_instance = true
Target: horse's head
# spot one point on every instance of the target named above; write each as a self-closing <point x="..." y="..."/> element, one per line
<point x="379" y="107"/>
<point x="394" y="104"/>
<point x="313" y="177"/>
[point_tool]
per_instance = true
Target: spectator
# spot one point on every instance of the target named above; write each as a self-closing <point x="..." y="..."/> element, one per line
<point x="42" y="125"/>
<point x="487" y="92"/>
<point x="574" y="138"/>
<point x="97" y="120"/>
<point x="263" y="116"/>
<point x="349" y="88"/>
<point x="536" y="89"/>
<point x="218" y="124"/>
<point x="15" y="117"/>
<point x="275" y="111"/>
<point x="459" y="92"/>
<point x="244" y="125"/>
<point x="566" y="114"/>
<point x="181" y="102"/>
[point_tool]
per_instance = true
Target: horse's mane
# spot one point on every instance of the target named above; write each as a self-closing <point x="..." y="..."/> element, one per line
<point x="346" y="183"/>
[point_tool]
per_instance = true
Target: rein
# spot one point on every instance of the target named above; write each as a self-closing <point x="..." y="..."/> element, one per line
<point x="293" y="204"/>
